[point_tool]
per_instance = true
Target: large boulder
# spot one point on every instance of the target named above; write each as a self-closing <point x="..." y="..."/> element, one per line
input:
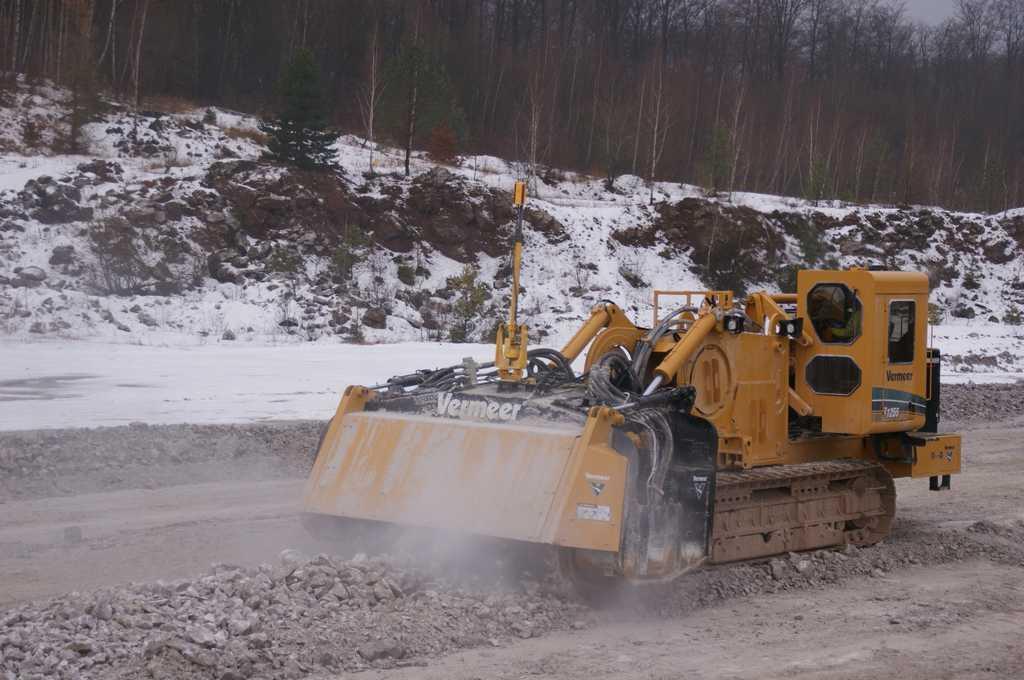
<point x="375" y="318"/>
<point x="105" y="171"/>
<point x="28" y="277"/>
<point x="53" y="202"/>
<point x="221" y="269"/>
<point x="62" y="255"/>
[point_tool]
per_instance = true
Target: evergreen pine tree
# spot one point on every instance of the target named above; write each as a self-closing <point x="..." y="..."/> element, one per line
<point x="420" y="99"/>
<point x="716" y="159"/>
<point x="299" y="134"/>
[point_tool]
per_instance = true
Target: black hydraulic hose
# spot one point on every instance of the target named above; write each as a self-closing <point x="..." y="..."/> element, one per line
<point x="655" y="431"/>
<point x="552" y="355"/>
<point x="608" y="390"/>
<point x="550" y="367"/>
<point x="677" y="398"/>
<point x="551" y="364"/>
<point x="644" y="348"/>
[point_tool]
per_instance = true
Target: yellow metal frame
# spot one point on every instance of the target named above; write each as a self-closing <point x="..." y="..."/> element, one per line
<point x="724" y="299"/>
<point x="510" y="354"/>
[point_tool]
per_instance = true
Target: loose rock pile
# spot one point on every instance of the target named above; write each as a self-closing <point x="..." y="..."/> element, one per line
<point x="303" y="616"/>
<point x="970" y="403"/>
<point x="909" y="545"/>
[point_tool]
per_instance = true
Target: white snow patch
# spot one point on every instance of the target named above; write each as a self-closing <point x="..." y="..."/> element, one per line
<point x="54" y="384"/>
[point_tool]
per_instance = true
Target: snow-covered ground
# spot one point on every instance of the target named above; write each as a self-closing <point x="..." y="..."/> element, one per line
<point x="55" y="384"/>
<point x="980" y="352"/>
<point x="559" y="291"/>
<point x="76" y="357"/>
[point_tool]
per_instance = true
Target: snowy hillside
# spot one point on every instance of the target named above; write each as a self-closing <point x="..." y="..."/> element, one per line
<point x="173" y="232"/>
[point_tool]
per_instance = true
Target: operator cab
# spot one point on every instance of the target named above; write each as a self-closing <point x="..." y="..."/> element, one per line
<point x="866" y="370"/>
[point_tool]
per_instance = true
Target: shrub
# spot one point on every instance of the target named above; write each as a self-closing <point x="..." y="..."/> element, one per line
<point x="349" y="253"/>
<point x="283" y="261"/>
<point x="785" y="279"/>
<point x="443" y="145"/>
<point x="406" y="274"/>
<point x="119" y="268"/>
<point x="964" y="312"/>
<point x="470" y="298"/>
<point x="343" y="260"/>
<point x="1013" y="316"/>
<point x="581" y="275"/>
<point x="31" y="135"/>
<point x="379" y="293"/>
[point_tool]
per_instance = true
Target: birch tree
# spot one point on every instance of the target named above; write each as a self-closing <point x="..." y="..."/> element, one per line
<point x="658" y="120"/>
<point x="371" y="94"/>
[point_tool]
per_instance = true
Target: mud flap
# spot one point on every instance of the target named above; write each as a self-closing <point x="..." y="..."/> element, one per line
<point x="695" y="472"/>
<point x="668" y="534"/>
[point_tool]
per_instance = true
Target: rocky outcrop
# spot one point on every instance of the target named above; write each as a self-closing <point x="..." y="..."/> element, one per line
<point x="53" y="202"/>
<point x="437" y="208"/>
<point x="731" y="246"/>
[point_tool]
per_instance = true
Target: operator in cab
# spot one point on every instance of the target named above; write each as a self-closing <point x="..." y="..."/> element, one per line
<point x="836" y="318"/>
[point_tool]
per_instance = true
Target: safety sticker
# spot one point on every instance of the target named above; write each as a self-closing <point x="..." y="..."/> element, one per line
<point x="597" y="482"/>
<point x="597" y="513"/>
<point x="700" y="485"/>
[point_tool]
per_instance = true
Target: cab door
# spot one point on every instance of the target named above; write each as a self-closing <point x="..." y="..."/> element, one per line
<point x="833" y="374"/>
<point x="898" y="399"/>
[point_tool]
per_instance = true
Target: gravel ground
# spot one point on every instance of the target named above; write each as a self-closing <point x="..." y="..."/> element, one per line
<point x="62" y="462"/>
<point x="910" y="544"/>
<point x="971" y="403"/>
<point x="309" y="616"/>
<point x="323" y="615"/>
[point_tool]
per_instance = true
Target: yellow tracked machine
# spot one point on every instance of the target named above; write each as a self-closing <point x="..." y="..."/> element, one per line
<point x="729" y="429"/>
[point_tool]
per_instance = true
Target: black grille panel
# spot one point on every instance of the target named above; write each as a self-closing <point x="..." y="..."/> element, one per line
<point x="833" y="375"/>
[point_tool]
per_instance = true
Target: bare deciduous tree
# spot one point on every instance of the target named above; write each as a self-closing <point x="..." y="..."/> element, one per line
<point x="658" y="120"/>
<point x="891" y="102"/>
<point x="371" y="93"/>
<point x="110" y="43"/>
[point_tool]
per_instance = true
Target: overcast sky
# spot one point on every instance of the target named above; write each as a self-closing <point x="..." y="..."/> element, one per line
<point x="932" y="11"/>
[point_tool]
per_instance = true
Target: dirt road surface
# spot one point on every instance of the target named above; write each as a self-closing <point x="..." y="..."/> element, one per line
<point x="143" y="534"/>
<point x="958" y="621"/>
<point x="961" y="619"/>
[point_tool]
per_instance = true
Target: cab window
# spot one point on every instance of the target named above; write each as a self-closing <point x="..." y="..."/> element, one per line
<point x="901" y="331"/>
<point x="835" y="312"/>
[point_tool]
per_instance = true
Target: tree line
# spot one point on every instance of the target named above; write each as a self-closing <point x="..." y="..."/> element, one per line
<point x="826" y="99"/>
